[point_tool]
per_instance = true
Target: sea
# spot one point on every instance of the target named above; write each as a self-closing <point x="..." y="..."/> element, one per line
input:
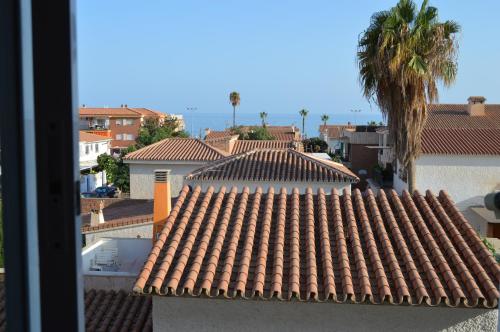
<point x="196" y="123"/>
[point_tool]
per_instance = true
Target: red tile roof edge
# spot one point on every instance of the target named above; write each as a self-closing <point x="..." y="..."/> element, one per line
<point x="448" y="264"/>
<point x="117" y="223"/>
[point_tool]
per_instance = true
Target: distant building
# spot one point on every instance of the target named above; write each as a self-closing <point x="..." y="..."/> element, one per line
<point x="179" y="155"/>
<point x="360" y="149"/>
<point x="265" y="168"/>
<point x="280" y="133"/>
<point x="90" y="147"/>
<point x="233" y="145"/>
<point x="121" y="124"/>
<point x="332" y="135"/>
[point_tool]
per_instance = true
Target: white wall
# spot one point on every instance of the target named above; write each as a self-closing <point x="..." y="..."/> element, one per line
<point x="176" y="314"/>
<point x="466" y="178"/>
<point x="139" y="231"/>
<point x="89" y="182"/>
<point x="93" y="152"/>
<point x="142" y="177"/>
<point x="289" y="185"/>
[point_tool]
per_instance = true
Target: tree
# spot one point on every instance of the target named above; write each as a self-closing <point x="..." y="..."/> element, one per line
<point x="325" y="119"/>
<point x="263" y="117"/>
<point x="252" y="133"/>
<point x="402" y="56"/>
<point x="315" y="144"/>
<point x="152" y="132"/>
<point x="234" y="98"/>
<point x="303" y="113"/>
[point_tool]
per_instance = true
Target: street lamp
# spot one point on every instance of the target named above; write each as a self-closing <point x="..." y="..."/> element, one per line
<point x="355" y="112"/>
<point x="191" y="109"/>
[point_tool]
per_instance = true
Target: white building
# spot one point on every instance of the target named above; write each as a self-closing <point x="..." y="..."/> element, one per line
<point x="332" y="135"/>
<point x="461" y="154"/>
<point x="179" y="155"/>
<point x="267" y="168"/>
<point x="90" y="147"/>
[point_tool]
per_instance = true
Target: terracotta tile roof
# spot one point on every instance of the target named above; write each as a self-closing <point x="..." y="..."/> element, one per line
<point x="379" y="249"/>
<point x="121" y="213"/>
<point x="274" y="165"/>
<point x="87" y="137"/>
<point x="107" y="311"/>
<point x="280" y="133"/>
<point x="177" y="149"/>
<point x="147" y="112"/>
<point x="449" y="129"/>
<point x="117" y="311"/>
<point x="112" y="112"/>
<point x="248" y="145"/>
<point x="334" y="131"/>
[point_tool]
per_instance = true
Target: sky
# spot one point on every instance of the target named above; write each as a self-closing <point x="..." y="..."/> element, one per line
<point x="280" y="55"/>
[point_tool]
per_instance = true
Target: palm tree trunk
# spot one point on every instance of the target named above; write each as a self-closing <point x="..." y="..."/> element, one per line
<point x="234" y="116"/>
<point x="303" y="125"/>
<point x="412" y="185"/>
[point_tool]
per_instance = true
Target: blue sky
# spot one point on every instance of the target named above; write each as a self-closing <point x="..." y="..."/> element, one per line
<point x="280" y="55"/>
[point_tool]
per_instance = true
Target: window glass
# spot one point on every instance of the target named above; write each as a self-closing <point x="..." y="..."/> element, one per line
<point x="96" y="147"/>
<point x="118" y="122"/>
<point x="119" y="136"/>
<point x="87" y="149"/>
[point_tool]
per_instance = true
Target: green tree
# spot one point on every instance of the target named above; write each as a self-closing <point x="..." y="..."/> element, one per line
<point x="303" y="113"/>
<point x="234" y="99"/>
<point x="260" y="134"/>
<point x="315" y="144"/>
<point x="152" y="132"/>
<point x="263" y="117"/>
<point x="402" y="56"/>
<point x="325" y="119"/>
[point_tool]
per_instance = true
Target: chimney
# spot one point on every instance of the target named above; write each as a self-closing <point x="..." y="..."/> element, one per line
<point x="476" y="106"/>
<point x="207" y="131"/>
<point x="162" y="200"/>
<point x="96" y="215"/>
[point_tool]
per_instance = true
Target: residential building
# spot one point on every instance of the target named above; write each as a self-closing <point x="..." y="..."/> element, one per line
<point x="120" y="218"/>
<point x="90" y="147"/>
<point x="121" y="124"/>
<point x="360" y="149"/>
<point x="265" y="168"/>
<point x="460" y="152"/>
<point x="179" y="155"/>
<point x="332" y="135"/>
<point x="280" y="133"/>
<point x="315" y="261"/>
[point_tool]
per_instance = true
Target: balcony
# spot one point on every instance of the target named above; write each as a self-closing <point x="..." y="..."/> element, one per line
<point x="98" y="131"/>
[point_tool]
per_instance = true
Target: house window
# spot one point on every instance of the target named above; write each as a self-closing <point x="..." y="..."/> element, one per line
<point x="87" y="149"/>
<point x="96" y="147"/>
<point x="119" y="137"/>
<point x="128" y="137"/>
<point x="128" y="122"/>
<point x="119" y="122"/>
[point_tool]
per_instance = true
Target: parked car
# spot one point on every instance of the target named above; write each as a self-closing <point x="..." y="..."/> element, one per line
<point x="109" y="191"/>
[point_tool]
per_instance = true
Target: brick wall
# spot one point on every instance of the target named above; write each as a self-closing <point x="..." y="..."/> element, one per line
<point x="363" y="158"/>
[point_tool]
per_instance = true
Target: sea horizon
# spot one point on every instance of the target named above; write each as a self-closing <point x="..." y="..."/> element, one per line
<point x="196" y="123"/>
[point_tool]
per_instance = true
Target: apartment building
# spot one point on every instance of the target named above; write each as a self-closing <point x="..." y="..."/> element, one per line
<point x="121" y="124"/>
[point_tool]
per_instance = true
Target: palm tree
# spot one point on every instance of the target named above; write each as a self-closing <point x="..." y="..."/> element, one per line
<point x="234" y="99"/>
<point x="324" y="118"/>
<point x="263" y="116"/>
<point x="303" y="113"/>
<point x="401" y="56"/>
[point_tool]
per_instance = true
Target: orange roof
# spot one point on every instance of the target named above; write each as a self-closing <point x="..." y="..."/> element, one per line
<point x="111" y="112"/>
<point x="147" y="112"/>
<point x="177" y="149"/>
<point x="449" y="129"/>
<point x="274" y="165"/>
<point x="248" y="145"/>
<point x="87" y="137"/>
<point x="379" y="249"/>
